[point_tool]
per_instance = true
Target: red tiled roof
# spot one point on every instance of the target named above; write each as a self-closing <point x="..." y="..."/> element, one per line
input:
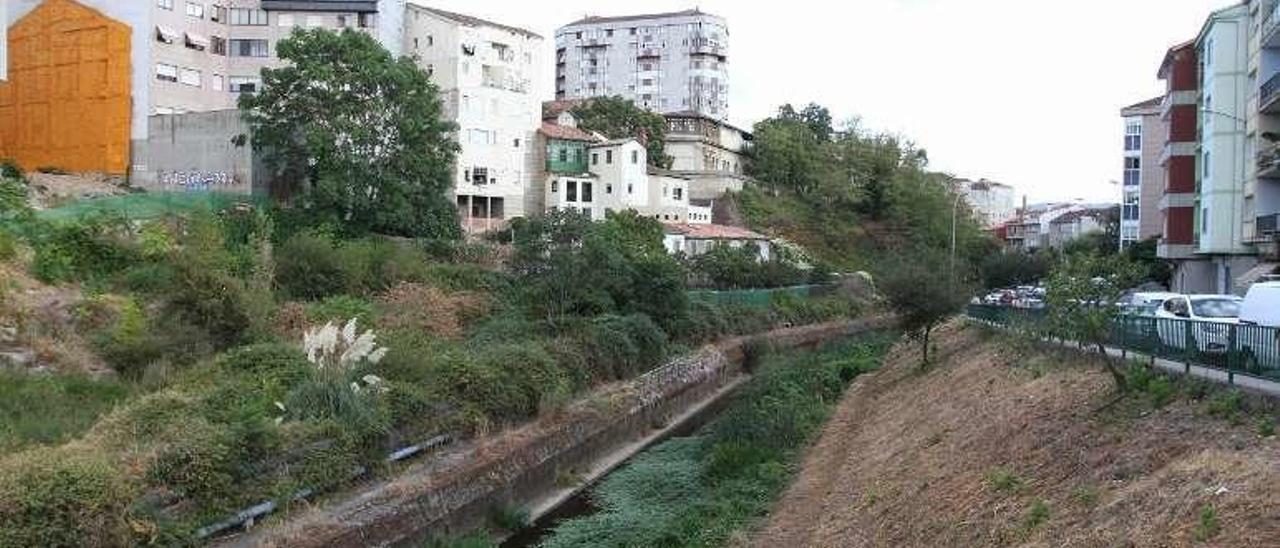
<point x="553" y="109"/>
<point x="713" y="232"/>
<point x="566" y="133"/>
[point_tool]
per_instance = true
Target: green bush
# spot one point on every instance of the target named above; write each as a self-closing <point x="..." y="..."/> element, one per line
<point x="200" y="465"/>
<point x="340" y="309"/>
<point x="9" y="169"/>
<point x="308" y="267"/>
<point x="52" y="409"/>
<point x="88" y="250"/>
<point x="55" y="497"/>
<point x="219" y="303"/>
<point x="621" y="347"/>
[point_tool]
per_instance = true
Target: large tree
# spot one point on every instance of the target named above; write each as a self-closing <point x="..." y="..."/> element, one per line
<point x="618" y="118"/>
<point x="359" y="132"/>
<point x="1082" y="295"/>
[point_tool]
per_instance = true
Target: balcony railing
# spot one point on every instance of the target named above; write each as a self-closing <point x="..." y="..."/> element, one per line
<point x="1266" y="225"/>
<point x="1269" y="27"/>
<point x="1269" y="162"/>
<point x="1267" y="94"/>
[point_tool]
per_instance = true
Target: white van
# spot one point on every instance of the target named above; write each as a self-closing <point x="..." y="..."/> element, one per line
<point x="1259" y="330"/>
<point x="1207" y="318"/>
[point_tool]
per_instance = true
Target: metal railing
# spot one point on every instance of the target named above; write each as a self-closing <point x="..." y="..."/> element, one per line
<point x="1236" y="348"/>
<point x="1266" y="225"/>
<point x="1268" y="90"/>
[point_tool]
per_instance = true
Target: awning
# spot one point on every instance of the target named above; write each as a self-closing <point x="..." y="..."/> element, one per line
<point x="197" y="40"/>
<point x="1257" y="274"/>
<point x="166" y="34"/>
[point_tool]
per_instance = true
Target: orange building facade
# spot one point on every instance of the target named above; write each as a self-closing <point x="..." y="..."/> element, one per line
<point x="67" y="102"/>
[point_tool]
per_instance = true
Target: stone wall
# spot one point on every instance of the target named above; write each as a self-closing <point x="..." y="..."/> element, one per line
<point x="457" y="490"/>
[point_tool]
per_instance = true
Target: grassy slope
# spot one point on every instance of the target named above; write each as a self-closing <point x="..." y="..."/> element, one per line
<point x="1006" y="445"/>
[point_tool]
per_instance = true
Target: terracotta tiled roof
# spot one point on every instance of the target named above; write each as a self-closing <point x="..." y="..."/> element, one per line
<point x="713" y="232"/>
<point x="566" y="133"/>
<point x="552" y="109"/>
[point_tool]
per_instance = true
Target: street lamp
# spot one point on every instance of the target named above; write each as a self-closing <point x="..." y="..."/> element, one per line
<point x="955" y="210"/>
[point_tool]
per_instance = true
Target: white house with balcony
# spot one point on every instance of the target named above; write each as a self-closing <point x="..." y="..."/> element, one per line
<point x="618" y="178"/>
<point x="488" y="74"/>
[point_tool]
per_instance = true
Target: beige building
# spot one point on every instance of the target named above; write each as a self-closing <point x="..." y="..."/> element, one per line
<point x="1142" y="185"/>
<point x="708" y="152"/>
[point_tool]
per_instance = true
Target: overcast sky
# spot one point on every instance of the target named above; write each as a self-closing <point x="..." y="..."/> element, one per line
<point x="1026" y="92"/>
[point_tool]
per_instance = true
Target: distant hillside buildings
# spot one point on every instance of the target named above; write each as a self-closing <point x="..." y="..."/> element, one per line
<point x="993" y="203"/>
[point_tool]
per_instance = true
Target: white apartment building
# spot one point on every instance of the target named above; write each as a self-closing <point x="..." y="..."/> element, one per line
<point x="1142" y="184"/>
<point x="665" y="62"/>
<point x="992" y="202"/>
<point x="1226" y="163"/>
<point x="488" y="79"/>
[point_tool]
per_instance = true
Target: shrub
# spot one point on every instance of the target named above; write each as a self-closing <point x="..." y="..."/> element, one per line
<point x="217" y="302"/>
<point x="1207" y="527"/>
<point x="1002" y="480"/>
<point x="9" y="169"/>
<point x="340" y="308"/>
<point x="127" y="343"/>
<point x="307" y="267"/>
<point x="200" y="464"/>
<point x="1036" y="515"/>
<point x="55" y="497"/>
<point x="90" y="249"/>
<point x="620" y="347"/>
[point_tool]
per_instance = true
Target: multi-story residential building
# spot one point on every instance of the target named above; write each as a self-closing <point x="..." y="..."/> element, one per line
<point x="1262" y="199"/>
<point x="707" y="151"/>
<point x="153" y="56"/>
<point x="488" y="78"/>
<point x="1142" y="184"/>
<point x="991" y="202"/>
<point x="665" y="62"/>
<point x="1179" y="70"/>
<point x="1077" y="223"/>
<point x="1225" y="161"/>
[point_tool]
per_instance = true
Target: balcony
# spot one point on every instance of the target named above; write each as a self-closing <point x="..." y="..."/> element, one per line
<point x="708" y="49"/>
<point x="1271" y="28"/>
<point x="1265" y="226"/>
<point x="648" y="53"/>
<point x="1269" y="95"/>
<point x="1269" y="162"/>
<point x="594" y="43"/>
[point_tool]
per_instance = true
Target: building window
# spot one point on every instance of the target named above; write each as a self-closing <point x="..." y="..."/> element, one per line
<point x="635" y="156"/>
<point x="586" y="192"/>
<point x="364" y="21"/>
<point x="608" y="188"/>
<point x="165" y="4"/>
<point x="216" y="82"/>
<point x="629" y="189"/>
<point x="1132" y="171"/>
<point x="218" y="45"/>
<point x="243" y="84"/>
<point x="1206" y="165"/>
<point x="570" y="191"/>
<point x="342" y="22"/>
<point x="678" y="193"/>
<point x="190" y="77"/>
<point x="196" y="42"/>
<point x="248" y="17"/>
<point x="167" y="73"/>
<point x="555" y="186"/>
<point x="515" y="143"/>
<point x="1133" y="135"/>
<point x="608" y="156"/>
<point x="248" y="48"/>
<point x="595" y="158"/>
<point x="166" y="35"/>
<point x="195" y="10"/>
<point x="218" y="14"/>
<point x="564" y="155"/>
<point x="285" y="20"/>
<point x="479" y="175"/>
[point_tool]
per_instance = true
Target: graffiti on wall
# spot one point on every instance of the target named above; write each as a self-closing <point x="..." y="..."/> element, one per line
<point x="198" y="180"/>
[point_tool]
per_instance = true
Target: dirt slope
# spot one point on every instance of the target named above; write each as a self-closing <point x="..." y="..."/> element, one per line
<point x="914" y="459"/>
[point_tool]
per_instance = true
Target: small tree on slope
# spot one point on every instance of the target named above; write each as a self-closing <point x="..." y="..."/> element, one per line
<point x="923" y="293"/>
<point x="1081" y="296"/>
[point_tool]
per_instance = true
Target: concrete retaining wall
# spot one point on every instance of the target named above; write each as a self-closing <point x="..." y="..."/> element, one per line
<point x="197" y="151"/>
<point x="456" y="491"/>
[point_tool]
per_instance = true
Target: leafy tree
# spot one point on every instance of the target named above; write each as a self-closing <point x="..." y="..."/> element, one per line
<point x="1010" y="268"/>
<point x="360" y="131"/>
<point x="618" y="118"/>
<point x="923" y="293"/>
<point x="1144" y="253"/>
<point x="569" y="266"/>
<point x="1081" y="296"/>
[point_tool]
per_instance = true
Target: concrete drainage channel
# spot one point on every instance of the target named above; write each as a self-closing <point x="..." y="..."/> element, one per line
<point x="460" y="485"/>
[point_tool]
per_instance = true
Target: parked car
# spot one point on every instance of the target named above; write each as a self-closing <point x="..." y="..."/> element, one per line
<point x="1207" y="318"/>
<point x="1258" y="336"/>
<point x="1144" y="303"/>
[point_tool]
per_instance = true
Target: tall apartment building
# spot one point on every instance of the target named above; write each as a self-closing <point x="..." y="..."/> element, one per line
<point x="1142" y="184"/>
<point x="1262" y="198"/>
<point x="665" y="62"/>
<point x="175" y="56"/>
<point x="488" y="78"/>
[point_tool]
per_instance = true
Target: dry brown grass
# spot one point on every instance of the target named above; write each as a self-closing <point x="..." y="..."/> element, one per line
<point x="413" y="306"/>
<point x="907" y="461"/>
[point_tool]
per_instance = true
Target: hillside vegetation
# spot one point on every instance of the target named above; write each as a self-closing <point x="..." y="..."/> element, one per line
<point x="1002" y="443"/>
<point x="849" y="196"/>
